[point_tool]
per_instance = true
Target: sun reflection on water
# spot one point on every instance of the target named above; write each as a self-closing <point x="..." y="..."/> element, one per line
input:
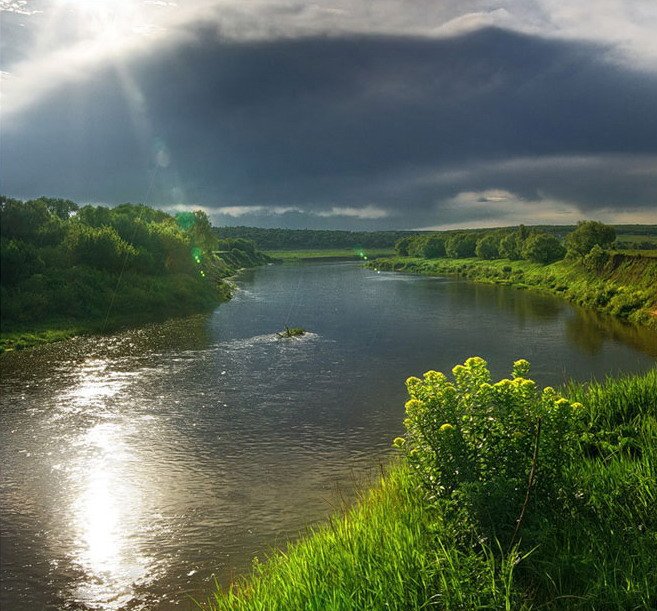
<point x="107" y="505"/>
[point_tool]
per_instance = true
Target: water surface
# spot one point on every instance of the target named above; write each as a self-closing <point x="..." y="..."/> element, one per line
<point x="138" y="467"/>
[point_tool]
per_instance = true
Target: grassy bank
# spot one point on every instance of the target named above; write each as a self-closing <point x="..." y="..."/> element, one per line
<point x="397" y="549"/>
<point x="624" y="287"/>
<point x="345" y="254"/>
<point x="67" y="270"/>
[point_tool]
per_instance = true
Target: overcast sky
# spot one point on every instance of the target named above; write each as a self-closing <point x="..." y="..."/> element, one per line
<point x="350" y="114"/>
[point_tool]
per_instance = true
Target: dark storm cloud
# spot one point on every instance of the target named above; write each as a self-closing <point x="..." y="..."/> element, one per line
<point x="403" y="124"/>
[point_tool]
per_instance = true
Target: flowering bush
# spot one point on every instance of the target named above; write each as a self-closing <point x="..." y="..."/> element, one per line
<point x="488" y="449"/>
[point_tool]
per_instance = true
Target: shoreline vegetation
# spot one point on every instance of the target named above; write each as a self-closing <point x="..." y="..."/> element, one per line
<point x="585" y="266"/>
<point x="554" y="510"/>
<point x="625" y="289"/>
<point x="70" y="270"/>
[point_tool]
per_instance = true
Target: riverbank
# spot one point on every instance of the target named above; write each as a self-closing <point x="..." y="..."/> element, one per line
<point x="396" y="550"/>
<point x="133" y="300"/>
<point x="330" y="254"/>
<point x="624" y="287"/>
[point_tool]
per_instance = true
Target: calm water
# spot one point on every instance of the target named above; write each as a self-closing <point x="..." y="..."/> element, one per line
<point x="137" y="467"/>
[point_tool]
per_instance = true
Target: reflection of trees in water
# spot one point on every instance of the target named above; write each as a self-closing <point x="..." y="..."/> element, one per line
<point x="586" y="329"/>
<point x="589" y="330"/>
<point x="525" y="305"/>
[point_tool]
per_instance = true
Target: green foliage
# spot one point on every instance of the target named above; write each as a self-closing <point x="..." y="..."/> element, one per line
<point x="129" y="263"/>
<point x="402" y="245"/>
<point x="61" y="208"/>
<point x="625" y="287"/>
<point x="387" y="552"/>
<point x="542" y="248"/>
<point x="596" y="259"/>
<point x="488" y="246"/>
<point x="99" y="247"/>
<point x="473" y="443"/>
<point x="18" y="258"/>
<point x="511" y="246"/>
<point x="292" y="332"/>
<point x="461" y="245"/>
<point x="434" y="247"/>
<point x="587" y="235"/>
<point x="592" y="546"/>
<point x="313" y="239"/>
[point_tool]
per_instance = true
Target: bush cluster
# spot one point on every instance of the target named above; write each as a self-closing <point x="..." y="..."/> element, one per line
<point x="522" y="243"/>
<point x="489" y="450"/>
<point x="60" y="261"/>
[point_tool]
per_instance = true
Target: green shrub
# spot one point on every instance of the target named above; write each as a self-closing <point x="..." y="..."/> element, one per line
<point x="542" y="248"/>
<point x="596" y="259"/>
<point x="483" y="447"/>
<point x="461" y="245"/>
<point x="588" y="234"/>
<point x="433" y="247"/>
<point x="488" y="247"/>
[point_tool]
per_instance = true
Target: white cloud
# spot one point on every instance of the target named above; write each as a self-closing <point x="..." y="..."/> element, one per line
<point x="368" y="212"/>
<point x="20" y="7"/>
<point x="237" y="211"/>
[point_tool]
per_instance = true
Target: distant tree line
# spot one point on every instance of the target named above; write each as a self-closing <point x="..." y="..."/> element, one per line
<point x="60" y="260"/>
<point x="522" y="242"/>
<point x="301" y="239"/>
<point x="313" y="239"/>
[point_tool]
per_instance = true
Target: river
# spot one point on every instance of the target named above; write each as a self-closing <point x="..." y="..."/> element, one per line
<point x="139" y="467"/>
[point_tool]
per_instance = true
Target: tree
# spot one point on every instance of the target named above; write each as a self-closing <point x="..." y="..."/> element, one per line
<point x="402" y="245"/>
<point x="99" y="247"/>
<point x="511" y="246"/>
<point x="542" y="248"/>
<point x="434" y="247"/>
<point x="587" y="234"/>
<point x="488" y="247"/>
<point x="24" y="220"/>
<point x="461" y="245"/>
<point x="61" y="208"/>
<point x="416" y="246"/>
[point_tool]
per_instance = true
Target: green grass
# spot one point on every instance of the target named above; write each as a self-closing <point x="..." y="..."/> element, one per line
<point x="332" y="253"/>
<point x="625" y="288"/>
<point x="394" y="550"/>
<point x="387" y="552"/>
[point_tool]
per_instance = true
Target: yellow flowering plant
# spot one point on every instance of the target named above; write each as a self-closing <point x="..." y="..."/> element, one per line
<point x="488" y="449"/>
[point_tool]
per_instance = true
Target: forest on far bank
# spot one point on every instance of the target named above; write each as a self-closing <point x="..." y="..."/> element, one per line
<point x="642" y="237"/>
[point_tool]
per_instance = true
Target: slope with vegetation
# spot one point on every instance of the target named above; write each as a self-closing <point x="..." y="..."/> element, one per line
<point x="66" y="270"/>
<point x="585" y="267"/>
<point x="505" y="496"/>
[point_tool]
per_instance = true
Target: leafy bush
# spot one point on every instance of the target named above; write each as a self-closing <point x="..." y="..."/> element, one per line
<point x="588" y="234"/>
<point x="596" y="259"/>
<point x="542" y="248"/>
<point x="100" y="247"/>
<point x="488" y="247"/>
<point x="511" y="247"/>
<point x="461" y="245"/>
<point x="402" y="245"/>
<point x="485" y="448"/>
<point x="433" y="247"/>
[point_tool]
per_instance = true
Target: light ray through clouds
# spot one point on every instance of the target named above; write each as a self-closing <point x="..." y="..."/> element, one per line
<point x="438" y="102"/>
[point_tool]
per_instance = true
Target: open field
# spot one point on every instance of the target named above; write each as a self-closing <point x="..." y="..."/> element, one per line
<point x="351" y="254"/>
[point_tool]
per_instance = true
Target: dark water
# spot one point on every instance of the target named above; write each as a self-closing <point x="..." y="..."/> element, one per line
<point x="137" y="467"/>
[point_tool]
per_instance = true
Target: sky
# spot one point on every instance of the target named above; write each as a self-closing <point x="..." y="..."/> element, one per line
<point x="348" y="114"/>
